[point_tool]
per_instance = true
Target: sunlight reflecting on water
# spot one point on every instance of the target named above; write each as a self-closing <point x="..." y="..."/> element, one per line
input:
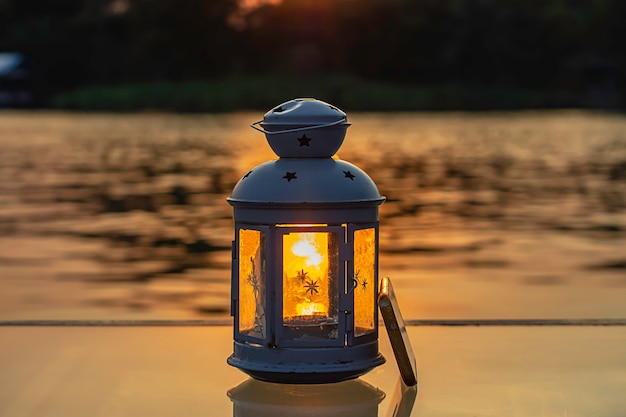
<point x="509" y="215"/>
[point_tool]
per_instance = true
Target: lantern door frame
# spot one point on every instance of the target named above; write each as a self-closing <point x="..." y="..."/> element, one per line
<point x="343" y="301"/>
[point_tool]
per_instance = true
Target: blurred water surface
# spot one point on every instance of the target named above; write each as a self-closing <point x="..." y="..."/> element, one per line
<point x="488" y="215"/>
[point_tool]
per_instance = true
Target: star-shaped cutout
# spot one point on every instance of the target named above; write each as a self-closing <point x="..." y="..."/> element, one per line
<point x="302" y="275"/>
<point x="290" y="176"/>
<point x="348" y="174"/>
<point x="304" y="141"/>
<point x="312" y="287"/>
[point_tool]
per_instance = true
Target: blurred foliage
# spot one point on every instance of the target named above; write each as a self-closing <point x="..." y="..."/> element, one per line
<point x="263" y="92"/>
<point x="506" y="53"/>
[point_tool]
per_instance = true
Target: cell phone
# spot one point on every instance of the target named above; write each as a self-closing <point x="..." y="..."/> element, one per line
<point x="396" y="330"/>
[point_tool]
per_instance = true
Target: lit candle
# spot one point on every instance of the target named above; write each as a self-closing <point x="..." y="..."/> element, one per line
<point x="310" y="309"/>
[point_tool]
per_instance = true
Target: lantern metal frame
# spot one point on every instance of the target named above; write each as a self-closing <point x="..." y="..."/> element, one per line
<point x="300" y="194"/>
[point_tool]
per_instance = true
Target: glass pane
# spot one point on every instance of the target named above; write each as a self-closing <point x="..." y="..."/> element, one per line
<point x="364" y="280"/>
<point x="310" y="288"/>
<point x="252" y="283"/>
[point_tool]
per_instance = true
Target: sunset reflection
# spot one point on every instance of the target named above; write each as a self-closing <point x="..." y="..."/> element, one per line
<point x="124" y="216"/>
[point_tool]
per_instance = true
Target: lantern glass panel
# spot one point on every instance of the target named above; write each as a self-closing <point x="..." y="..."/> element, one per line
<point x="310" y="285"/>
<point x="252" y="283"/>
<point x="364" y="280"/>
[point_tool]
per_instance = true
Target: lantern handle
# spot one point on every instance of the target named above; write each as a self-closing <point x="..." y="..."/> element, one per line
<point x="297" y="129"/>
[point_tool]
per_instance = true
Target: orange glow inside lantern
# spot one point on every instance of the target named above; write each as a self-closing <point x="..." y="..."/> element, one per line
<point x="312" y="282"/>
<point x="252" y="283"/>
<point x="364" y="281"/>
<point x="310" y="296"/>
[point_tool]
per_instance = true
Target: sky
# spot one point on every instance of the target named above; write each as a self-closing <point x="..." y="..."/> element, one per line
<point x="249" y="4"/>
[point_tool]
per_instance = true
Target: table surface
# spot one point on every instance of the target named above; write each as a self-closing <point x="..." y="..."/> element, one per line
<point x="181" y="371"/>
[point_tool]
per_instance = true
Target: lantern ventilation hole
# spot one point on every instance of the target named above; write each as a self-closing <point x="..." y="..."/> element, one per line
<point x="290" y="176"/>
<point x="304" y="140"/>
<point x="247" y="175"/>
<point x="348" y="174"/>
<point x="278" y="109"/>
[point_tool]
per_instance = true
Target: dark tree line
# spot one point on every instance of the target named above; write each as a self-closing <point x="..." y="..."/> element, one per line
<point x="70" y="43"/>
<point x="533" y="44"/>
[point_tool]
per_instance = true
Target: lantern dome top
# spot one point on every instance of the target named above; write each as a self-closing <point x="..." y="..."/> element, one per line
<point x="304" y="128"/>
<point x="315" y="180"/>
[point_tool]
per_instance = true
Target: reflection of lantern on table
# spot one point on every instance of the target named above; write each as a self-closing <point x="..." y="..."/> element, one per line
<point x="305" y="255"/>
<point x="348" y="398"/>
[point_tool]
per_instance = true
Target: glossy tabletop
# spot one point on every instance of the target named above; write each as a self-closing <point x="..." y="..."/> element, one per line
<point x="182" y="371"/>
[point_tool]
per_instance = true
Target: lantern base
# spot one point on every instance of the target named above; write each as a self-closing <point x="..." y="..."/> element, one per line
<point x="305" y="365"/>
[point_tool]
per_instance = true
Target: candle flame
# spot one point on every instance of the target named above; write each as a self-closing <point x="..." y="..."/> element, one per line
<point x="309" y="309"/>
<point x="305" y="248"/>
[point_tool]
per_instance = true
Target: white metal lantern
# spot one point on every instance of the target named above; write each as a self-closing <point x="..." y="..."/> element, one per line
<point x="305" y="254"/>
